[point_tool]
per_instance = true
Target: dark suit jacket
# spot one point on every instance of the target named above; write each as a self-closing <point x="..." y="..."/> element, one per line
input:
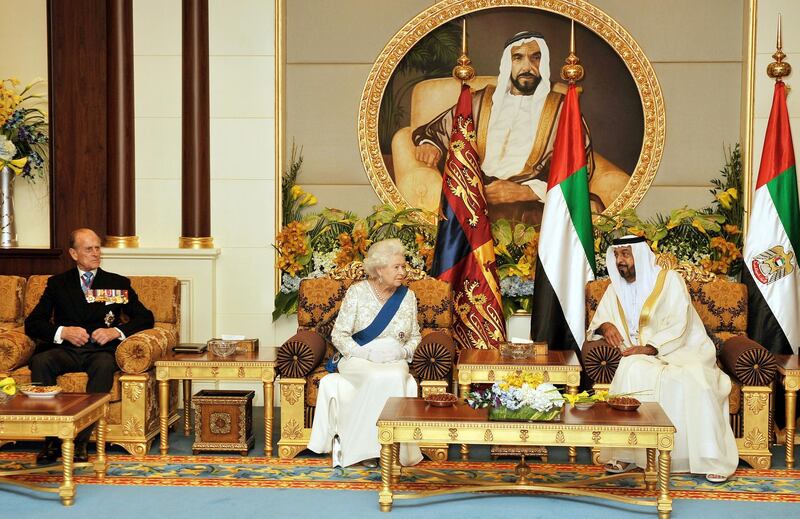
<point x="63" y="303"/>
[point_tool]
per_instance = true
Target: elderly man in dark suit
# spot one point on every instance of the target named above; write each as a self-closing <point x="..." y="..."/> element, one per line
<point x="79" y="314"/>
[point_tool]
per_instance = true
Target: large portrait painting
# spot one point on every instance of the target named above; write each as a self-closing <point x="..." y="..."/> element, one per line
<point x="517" y="48"/>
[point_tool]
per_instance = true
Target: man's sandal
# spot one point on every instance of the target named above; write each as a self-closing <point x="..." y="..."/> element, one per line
<point x="716" y="478"/>
<point x="619" y="467"/>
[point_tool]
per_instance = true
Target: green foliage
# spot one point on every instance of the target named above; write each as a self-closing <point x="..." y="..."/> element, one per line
<point x="687" y="233"/>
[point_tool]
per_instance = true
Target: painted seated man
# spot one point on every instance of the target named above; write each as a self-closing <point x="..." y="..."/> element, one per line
<point x="667" y="357"/>
<point x="516" y="125"/>
<point x="79" y="314"/>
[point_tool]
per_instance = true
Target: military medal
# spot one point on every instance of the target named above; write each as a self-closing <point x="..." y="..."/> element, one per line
<point x="107" y="295"/>
<point x="109" y="319"/>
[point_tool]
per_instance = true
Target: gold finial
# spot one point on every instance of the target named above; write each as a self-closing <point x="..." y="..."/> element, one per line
<point x="572" y="71"/>
<point x="778" y="69"/>
<point x="464" y="71"/>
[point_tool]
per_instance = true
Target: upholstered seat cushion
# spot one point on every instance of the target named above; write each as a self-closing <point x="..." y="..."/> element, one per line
<point x="16" y="349"/>
<point x="11" y="300"/>
<point x="140" y="351"/>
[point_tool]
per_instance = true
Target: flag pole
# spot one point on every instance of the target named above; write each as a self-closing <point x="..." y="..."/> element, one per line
<point x="463" y="71"/>
<point x="572" y="70"/>
<point x="779" y="69"/>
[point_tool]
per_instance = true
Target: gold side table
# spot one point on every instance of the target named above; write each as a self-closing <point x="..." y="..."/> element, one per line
<point x="246" y="365"/>
<point x="63" y="416"/>
<point x="789" y="370"/>
<point x="558" y="367"/>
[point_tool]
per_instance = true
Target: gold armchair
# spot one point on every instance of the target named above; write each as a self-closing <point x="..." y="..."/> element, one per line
<point x="301" y="359"/>
<point x="722" y="306"/>
<point x="133" y="412"/>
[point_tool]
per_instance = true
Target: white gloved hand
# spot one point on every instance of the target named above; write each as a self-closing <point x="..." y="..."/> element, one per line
<point x="382" y="355"/>
<point x="359" y="352"/>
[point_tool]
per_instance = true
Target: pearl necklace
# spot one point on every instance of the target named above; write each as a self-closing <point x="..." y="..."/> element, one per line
<point x="381" y="298"/>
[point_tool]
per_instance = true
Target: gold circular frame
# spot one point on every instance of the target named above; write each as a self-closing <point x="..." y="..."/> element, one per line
<point x="582" y="12"/>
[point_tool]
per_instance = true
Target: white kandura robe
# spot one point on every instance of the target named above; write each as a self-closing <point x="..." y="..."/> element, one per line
<point x="349" y="402"/>
<point x="683" y="377"/>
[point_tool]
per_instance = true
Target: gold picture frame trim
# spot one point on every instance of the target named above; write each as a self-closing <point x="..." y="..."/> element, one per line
<point x="584" y="13"/>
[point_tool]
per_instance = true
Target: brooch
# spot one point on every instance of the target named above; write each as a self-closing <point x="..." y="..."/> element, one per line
<point x="401" y="335"/>
<point x="109" y="319"/>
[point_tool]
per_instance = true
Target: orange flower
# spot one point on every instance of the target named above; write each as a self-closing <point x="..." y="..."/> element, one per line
<point x="291" y="244"/>
<point x="732" y="229"/>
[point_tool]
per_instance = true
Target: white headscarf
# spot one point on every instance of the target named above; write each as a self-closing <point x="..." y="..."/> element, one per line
<point x="633" y="295"/>
<point x="515" y="118"/>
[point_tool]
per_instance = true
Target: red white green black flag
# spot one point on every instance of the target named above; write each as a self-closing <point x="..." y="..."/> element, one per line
<point x="566" y="243"/>
<point x="773" y="238"/>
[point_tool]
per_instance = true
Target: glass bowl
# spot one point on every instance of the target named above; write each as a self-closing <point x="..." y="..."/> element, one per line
<point x="222" y="348"/>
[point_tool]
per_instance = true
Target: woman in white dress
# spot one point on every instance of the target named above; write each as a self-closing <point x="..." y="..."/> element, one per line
<point x="376" y="333"/>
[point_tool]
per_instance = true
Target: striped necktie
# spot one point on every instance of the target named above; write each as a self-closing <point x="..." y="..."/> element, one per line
<point x="86" y="281"/>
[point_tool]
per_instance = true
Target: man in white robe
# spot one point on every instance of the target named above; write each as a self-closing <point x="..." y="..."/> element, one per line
<point x="667" y="358"/>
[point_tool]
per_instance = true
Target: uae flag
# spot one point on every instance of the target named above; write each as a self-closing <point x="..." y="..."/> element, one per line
<point x="773" y="239"/>
<point x="566" y="244"/>
<point x="464" y="254"/>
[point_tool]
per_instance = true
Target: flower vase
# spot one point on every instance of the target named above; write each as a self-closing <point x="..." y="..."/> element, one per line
<point x="8" y="228"/>
<point x="524" y="414"/>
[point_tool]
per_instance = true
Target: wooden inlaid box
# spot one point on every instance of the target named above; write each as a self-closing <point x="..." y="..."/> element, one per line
<point x="223" y="421"/>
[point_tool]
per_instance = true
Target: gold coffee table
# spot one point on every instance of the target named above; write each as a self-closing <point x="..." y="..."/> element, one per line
<point x="63" y="416"/>
<point x="250" y="365"/>
<point x="489" y="366"/>
<point x="410" y="420"/>
<point x="789" y="370"/>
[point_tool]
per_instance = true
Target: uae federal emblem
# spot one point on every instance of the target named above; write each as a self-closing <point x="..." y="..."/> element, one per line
<point x="772" y="265"/>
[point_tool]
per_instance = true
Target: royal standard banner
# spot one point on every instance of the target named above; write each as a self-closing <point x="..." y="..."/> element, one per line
<point x="566" y="244"/>
<point x="773" y="239"/>
<point x="464" y="254"/>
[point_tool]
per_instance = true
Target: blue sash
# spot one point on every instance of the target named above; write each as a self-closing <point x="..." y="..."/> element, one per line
<point x="371" y="332"/>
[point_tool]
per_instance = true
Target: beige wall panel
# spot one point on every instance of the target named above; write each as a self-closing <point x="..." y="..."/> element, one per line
<point x="158" y="212"/>
<point x="768" y="25"/>
<point x="243" y="281"/>
<point x="250" y="325"/>
<point x="681" y="30"/>
<point x="157" y="27"/>
<point x="241" y="27"/>
<point x="240" y="216"/>
<point x="353" y="31"/>
<point x="158" y="147"/>
<point x="321" y="116"/>
<point x="32" y="213"/>
<point x="664" y="199"/>
<point x="359" y="199"/>
<point x="242" y="148"/>
<point x="157" y="86"/>
<point x="700" y="120"/>
<point x="242" y="86"/>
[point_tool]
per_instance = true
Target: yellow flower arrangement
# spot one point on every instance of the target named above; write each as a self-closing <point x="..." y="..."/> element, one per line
<point x="8" y="386"/>
<point x="23" y="129"/>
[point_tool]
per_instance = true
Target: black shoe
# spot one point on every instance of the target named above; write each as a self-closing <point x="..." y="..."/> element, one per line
<point x="49" y="453"/>
<point x="81" y="452"/>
